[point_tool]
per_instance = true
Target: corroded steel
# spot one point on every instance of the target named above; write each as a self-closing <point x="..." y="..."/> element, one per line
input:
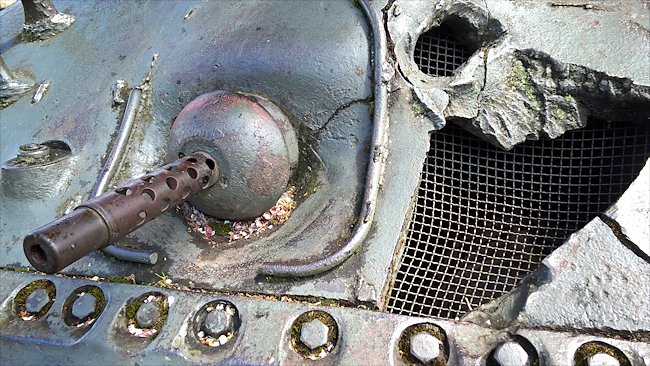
<point x="111" y="216"/>
<point x="254" y="147"/>
<point x="37" y="10"/>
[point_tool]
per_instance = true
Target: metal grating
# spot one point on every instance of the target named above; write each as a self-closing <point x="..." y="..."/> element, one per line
<point x="484" y="218"/>
<point x="439" y="53"/>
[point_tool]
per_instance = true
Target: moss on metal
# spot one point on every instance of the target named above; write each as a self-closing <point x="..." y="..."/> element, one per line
<point x="21" y="299"/>
<point x="332" y="335"/>
<point x="592" y="348"/>
<point x="99" y="306"/>
<point x="404" y="344"/>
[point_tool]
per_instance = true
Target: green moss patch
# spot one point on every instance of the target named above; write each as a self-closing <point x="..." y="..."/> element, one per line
<point x="404" y="344"/>
<point x="332" y="335"/>
<point x="132" y="308"/>
<point x="21" y="299"/>
<point x="99" y="306"/>
<point x="591" y="348"/>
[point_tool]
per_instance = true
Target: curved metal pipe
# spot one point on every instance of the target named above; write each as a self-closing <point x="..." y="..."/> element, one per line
<point x="375" y="170"/>
<point x="119" y="146"/>
<point x="110" y="169"/>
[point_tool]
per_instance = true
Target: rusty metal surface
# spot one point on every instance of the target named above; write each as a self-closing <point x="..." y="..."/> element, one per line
<point x="317" y="69"/>
<point x="263" y="337"/>
<point x="110" y="217"/>
<point x="248" y="145"/>
<point x="37" y="10"/>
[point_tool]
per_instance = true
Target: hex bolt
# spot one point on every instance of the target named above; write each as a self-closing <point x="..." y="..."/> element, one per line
<point x="36" y="301"/>
<point x="218" y="322"/>
<point x="511" y="354"/>
<point x="314" y="334"/>
<point x="147" y="315"/>
<point x="425" y="347"/>
<point x="83" y="306"/>
<point x="602" y="359"/>
<point x="31" y="152"/>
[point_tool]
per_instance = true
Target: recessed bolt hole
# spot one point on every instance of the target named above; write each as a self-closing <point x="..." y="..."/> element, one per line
<point x="123" y="190"/>
<point x="172" y="183"/>
<point x="164" y="204"/>
<point x="216" y="323"/>
<point x="83" y="306"/>
<point x="34" y="300"/>
<point x="599" y="353"/>
<point x="314" y="334"/>
<point x="210" y="163"/>
<point x="191" y="160"/>
<point x="149" y="179"/>
<point x="424" y="343"/>
<point x="148" y="195"/>
<point x="192" y="172"/>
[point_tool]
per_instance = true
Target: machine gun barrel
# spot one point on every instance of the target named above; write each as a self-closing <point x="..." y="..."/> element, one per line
<point x="106" y="219"/>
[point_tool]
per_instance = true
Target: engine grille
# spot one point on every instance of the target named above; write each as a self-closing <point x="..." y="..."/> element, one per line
<point x="439" y="53"/>
<point x="484" y="218"/>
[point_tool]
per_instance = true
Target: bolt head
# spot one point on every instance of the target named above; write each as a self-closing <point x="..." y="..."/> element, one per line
<point x="36" y="301"/>
<point x="425" y="347"/>
<point x="602" y="359"/>
<point x="33" y="151"/>
<point x="147" y="315"/>
<point x="217" y="323"/>
<point x="511" y="354"/>
<point x="313" y="334"/>
<point x="83" y="306"/>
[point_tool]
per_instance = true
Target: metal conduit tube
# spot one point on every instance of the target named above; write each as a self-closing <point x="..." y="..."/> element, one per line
<point x="108" y="172"/>
<point x="375" y="170"/>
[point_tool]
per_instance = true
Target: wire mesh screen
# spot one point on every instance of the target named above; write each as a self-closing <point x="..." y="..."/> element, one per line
<point x="439" y="53"/>
<point x="484" y="218"/>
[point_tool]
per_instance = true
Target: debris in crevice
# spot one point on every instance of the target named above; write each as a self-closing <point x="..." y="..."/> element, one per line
<point x="136" y="329"/>
<point x="211" y="228"/>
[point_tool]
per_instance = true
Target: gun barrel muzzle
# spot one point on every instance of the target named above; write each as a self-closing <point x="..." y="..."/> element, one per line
<point x="108" y="218"/>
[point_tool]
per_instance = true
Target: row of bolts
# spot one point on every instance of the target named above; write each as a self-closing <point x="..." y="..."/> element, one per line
<point x="424" y="346"/>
